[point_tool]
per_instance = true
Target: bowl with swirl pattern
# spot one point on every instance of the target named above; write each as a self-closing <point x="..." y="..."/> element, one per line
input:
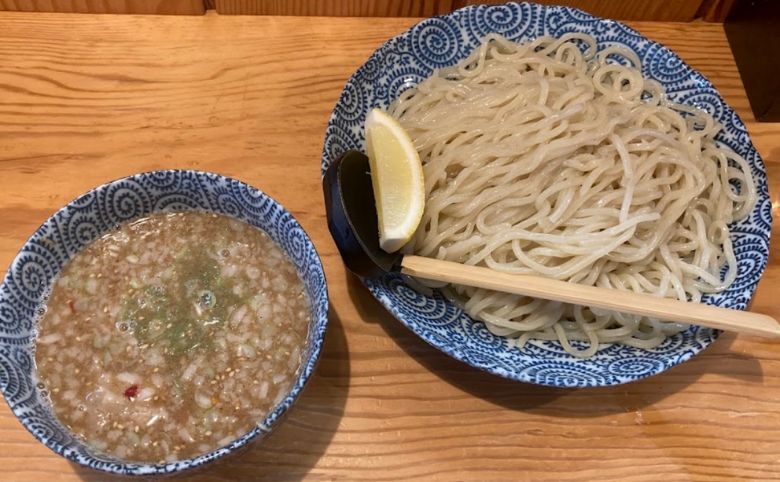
<point x="30" y="276"/>
<point x="409" y="58"/>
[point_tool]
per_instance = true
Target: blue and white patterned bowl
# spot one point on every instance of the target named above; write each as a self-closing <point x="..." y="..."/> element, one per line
<point x="73" y="227"/>
<point x="410" y="57"/>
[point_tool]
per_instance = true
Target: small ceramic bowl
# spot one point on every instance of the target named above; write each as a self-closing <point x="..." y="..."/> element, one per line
<point x="410" y="57"/>
<point x="78" y="223"/>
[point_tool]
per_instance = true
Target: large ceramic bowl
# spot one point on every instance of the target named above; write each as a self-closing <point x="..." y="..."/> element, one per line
<point x="73" y="227"/>
<point x="410" y="57"/>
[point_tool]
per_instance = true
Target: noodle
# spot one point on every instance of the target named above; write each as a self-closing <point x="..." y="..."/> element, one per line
<point x="544" y="159"/>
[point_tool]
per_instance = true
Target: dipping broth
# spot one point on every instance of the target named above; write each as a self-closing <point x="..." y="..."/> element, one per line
<point x="172" y="336"/>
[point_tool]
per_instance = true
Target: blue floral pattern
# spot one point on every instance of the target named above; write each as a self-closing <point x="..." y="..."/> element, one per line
<point x="31" y="273"/>
<point x="410" y="57"/>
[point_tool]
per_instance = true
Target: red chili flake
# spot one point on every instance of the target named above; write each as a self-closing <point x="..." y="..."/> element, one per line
<point x="131" y="392"/>
<point x="72" y="306"/>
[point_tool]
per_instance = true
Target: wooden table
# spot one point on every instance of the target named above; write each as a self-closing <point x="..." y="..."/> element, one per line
<point x="86" y="99"/>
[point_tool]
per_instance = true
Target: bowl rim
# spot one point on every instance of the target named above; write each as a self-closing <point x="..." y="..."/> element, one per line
<point x="318" y="325"/>
<point x="373" y="285"/>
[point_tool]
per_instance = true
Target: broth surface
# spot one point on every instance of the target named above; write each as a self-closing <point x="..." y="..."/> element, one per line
<point x="172" y="336"/>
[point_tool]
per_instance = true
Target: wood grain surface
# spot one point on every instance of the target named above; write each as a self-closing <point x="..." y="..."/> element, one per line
<point x="89" y="98"/>
<point x="161" y="7"/>
<point x="715" y="10"/>
<point x="660" y="10"/>
<point x="337" y="8"/>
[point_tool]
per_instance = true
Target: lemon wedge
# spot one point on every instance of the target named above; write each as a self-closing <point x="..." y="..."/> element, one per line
<point x="397" y="177"/>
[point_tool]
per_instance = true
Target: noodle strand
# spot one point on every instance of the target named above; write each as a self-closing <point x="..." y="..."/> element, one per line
<point x="555" y="158"/>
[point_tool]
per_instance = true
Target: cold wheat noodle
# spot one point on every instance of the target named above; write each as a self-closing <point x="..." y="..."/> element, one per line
<point x="559" y="159"/>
